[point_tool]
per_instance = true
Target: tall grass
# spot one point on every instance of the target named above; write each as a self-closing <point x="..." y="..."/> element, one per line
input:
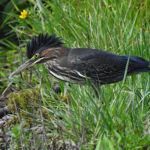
<point x="120" y="118"/>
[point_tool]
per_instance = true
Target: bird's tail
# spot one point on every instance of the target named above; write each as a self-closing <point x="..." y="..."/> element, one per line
<point x="143" y="70"/>
<point x="138" y="64"/>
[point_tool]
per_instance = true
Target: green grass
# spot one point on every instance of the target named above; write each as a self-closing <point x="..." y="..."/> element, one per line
<point x="120" y="118"/>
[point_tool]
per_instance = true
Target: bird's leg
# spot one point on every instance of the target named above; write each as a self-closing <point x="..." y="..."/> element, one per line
<point x="57" y="88"/>
<point x="96" y="87"/>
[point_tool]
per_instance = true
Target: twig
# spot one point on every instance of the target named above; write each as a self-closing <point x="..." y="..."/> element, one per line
<point x="6" y="88"/>
<point x="41" y="113"/>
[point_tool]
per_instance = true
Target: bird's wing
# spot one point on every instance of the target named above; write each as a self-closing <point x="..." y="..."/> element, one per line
<point x="97" y="64"/>
<point x="103" y="66"/>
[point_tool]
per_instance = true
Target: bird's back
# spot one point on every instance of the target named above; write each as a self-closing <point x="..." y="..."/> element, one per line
<point x="105" y="67"/>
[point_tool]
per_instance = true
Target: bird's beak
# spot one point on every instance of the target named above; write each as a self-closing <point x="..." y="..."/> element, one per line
<point x="27" y="64"/>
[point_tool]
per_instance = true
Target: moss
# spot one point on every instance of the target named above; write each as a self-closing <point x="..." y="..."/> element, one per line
<point x="45" y="114"/>
<point x="64" y="98"/>
<point x="25" y="103"/>
<point x="14" y="120"/>
<point x="24" y="99"/>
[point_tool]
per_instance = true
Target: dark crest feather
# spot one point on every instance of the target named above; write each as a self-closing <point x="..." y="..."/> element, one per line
<point x="42" y="42"/>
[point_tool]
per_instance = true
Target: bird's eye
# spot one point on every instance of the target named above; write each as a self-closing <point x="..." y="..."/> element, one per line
<point x="35" y="56"/>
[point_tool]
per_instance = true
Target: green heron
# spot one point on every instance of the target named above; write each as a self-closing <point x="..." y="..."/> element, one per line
<point x="76" y="65"/>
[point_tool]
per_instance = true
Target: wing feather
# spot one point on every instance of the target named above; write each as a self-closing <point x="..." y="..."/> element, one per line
<point x="104" y="66"/>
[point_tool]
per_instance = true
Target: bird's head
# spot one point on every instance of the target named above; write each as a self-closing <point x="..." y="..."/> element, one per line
<point x="40" y="49"/>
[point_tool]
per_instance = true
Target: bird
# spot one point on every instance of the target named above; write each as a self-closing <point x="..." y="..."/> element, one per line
<point x="77" y="65"/>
